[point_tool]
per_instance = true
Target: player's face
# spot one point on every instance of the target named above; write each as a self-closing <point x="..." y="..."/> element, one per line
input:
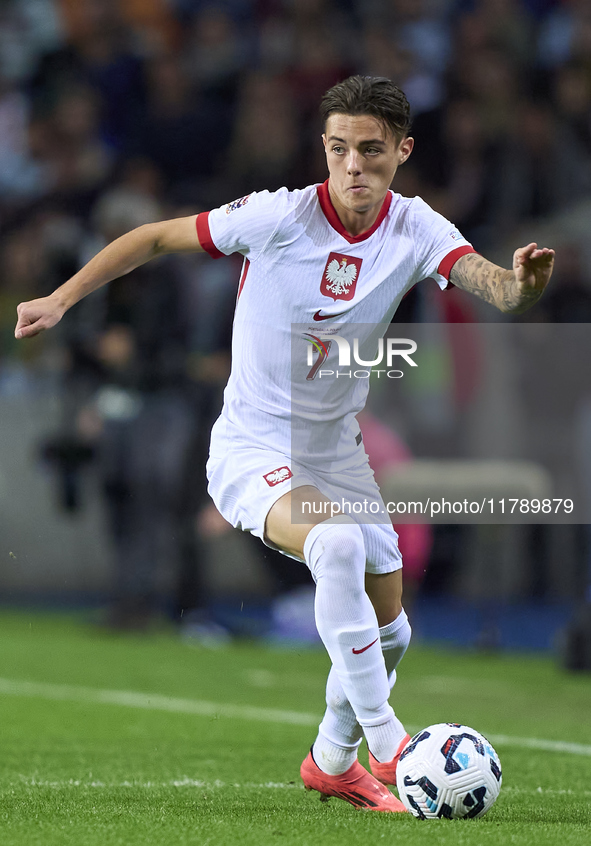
<point x="362" y="157"/>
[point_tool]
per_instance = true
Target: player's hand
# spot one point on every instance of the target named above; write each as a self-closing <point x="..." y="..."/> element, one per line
<point x="532" y="267"/>
<point x="36" y="316"/>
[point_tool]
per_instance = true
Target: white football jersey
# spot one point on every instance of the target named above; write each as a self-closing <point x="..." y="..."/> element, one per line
<point x="305" y="279"/>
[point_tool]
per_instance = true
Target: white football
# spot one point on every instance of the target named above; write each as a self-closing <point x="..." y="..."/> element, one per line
<point x="448" y="770"/>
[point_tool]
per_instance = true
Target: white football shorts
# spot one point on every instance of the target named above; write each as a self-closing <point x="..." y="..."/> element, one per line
<point x="245" y="480"/>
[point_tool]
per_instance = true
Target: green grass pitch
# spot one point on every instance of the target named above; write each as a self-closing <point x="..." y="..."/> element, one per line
<point x="131" y="740"/>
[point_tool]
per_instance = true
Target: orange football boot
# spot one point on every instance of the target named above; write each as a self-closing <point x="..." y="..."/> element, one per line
<point x="386" y="773"/>
<point x="356" y="786"/>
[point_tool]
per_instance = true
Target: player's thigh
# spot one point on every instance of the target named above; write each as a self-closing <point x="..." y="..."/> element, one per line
<point x="385" y="593"/>
<point x="293" y="515"/>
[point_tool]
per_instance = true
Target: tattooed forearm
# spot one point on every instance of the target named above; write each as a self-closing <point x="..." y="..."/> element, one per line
<point x="494" y="284"/>
<point x="477" y="275"/>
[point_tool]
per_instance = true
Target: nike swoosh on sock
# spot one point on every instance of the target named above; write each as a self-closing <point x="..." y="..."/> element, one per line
<point x="365" y="648"/>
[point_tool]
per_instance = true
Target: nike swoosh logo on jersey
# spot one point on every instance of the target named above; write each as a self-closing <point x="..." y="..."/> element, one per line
<point x="319" y="316"/>
<point x="365" y="648"/>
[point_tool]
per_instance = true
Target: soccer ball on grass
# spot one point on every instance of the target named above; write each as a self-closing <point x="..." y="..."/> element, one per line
<point x="448" y="770"/>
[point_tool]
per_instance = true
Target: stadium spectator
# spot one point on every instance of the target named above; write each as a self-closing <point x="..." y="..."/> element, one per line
<point x="505" y="25"/>
<point x="27" y="31"/>
<point x="571" y="97"/>
<point x="141" y="416"/>
<point x="78" y="159"/>
<point x="24" y="174"/>
<point x="489" y="77"/>
<point x="264" y="150"/>
<point x="409" y="42"/>
<point x="565" y="34"/>
<point x="541" y="170"/>
<point x="99" y="51"/>
<point x="460" y="167"/>
<point x="183" y="133"/>
<point x="216" y="53"/>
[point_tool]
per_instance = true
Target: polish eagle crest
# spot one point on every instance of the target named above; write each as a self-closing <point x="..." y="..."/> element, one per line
<point x="277" y="476"/>
<point x="340" y="276"/>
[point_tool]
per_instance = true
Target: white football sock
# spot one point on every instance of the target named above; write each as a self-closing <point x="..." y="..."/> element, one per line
<point x="395" y="638"/>
<point x="384" y="740"/>
<point x="346" y="621"/>
<point x="332" y="758"/>
<point x="339" y="725"/>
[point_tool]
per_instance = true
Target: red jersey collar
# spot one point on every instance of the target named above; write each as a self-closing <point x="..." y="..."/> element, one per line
<point x="335" y="221"/>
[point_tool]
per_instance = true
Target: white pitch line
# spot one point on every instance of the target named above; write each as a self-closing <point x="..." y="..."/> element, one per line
<point x="546" y="791"/>
<point x="193" y="783"/>
<point x="153" y="702"/>
<point x="147" y="785"/>
<point x="201" y="708"/>
<point x="536" y="743"/>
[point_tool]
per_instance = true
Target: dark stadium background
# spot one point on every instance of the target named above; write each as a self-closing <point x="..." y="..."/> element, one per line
<point x="116" y="113"/>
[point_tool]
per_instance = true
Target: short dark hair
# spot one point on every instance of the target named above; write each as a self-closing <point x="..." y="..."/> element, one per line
<point x="377" y="96"/>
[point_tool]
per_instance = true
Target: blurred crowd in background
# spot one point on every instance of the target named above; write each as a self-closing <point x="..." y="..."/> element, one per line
<point x="114" y="113"/>
<point x="194" y="102"/>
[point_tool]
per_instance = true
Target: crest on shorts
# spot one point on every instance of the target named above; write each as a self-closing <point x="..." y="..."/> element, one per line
<point x="276" y="476"/>
<point x="339" y="279"/>
<point x="237" y="204"/>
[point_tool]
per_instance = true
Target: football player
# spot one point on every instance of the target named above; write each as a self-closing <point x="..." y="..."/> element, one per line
<point x="286" y="451"/>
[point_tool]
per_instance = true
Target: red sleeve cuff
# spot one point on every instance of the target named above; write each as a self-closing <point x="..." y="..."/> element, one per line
<point x="450" y="259"/>
<point x="204" y="235"/>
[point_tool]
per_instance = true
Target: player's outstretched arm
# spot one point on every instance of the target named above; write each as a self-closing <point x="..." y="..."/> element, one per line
<point x="513" y="290"/>
<point x="118" y="258"/>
